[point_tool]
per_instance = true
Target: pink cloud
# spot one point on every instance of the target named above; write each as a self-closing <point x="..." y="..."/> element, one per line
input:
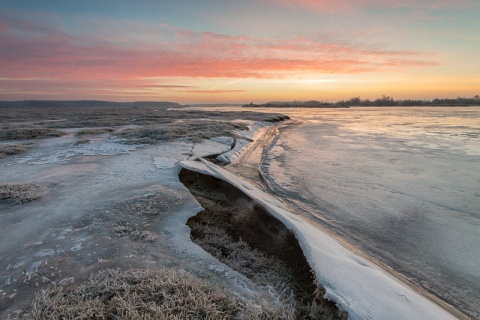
<point x="353" y="5"/>
<point x="89" y="62"/>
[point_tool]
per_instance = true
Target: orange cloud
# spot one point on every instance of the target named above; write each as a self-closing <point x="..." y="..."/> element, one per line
<point x="41" y="57"/>
<point x="216" y="91"/>
<point x="46" y="53"/>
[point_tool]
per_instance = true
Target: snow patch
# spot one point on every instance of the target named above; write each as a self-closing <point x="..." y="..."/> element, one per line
<point x="254" y="130"/>
<point x="213" y="146"/>
<point x="232" y="155"/>
<point x="33" y="268"/>
<point x="164" y="162"/>
<point x="76" y="247"/>
<point x="44" y="253"/>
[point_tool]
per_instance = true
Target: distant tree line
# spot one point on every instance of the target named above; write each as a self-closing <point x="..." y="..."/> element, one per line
<point x="384" y="101"/>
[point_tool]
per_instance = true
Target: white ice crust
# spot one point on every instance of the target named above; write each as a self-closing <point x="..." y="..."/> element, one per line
<point x="254" y="130"/>
<point x="213" y="146"/>
<point x="357" y="285"/>
<point x="230" y="156"/>
<point x="247" y="136"/>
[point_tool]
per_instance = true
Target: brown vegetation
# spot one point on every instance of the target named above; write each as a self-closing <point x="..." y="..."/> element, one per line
<point x="92" y="132"/>
<point x="118" y="115"/>
<point x="18" y="193"/>
<point x="192" y="130"/>
<point x="245" y="237"/>
<point x="134" y="216"/>
<point x="28" y="133"/>
<point x="144" y="294"/>
<point x="154" y="123"/>
<point x="134" y="232"/>
<point x="13" y="149"/>
<point x="139" y="294"/>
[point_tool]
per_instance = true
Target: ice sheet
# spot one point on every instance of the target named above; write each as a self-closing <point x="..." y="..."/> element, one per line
<point x="358" y="286"/>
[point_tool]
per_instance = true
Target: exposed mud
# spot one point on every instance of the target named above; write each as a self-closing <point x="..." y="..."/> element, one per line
<point x="248" y="239"/>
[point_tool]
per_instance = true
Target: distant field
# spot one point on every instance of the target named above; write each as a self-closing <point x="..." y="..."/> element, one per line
<point x="151" y="122"/>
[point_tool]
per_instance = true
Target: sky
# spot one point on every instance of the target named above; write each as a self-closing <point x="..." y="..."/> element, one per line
<point x="219" y="51"/>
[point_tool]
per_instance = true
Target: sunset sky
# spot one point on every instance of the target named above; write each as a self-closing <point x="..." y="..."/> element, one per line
<point x="194" y="51"/>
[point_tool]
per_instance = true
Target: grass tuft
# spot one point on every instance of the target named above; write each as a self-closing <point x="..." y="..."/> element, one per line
<point x="194" y="131"/>
<point x="143" y="294"/>
<point x="149" y="206"/>
<point x="13" y="149"/>
<point x="93" y="132"/>
<point x="249" y="240"/>
<point x="29" y="133"/>
<point x="18" y="193"/>
<point x="135" y="233"/>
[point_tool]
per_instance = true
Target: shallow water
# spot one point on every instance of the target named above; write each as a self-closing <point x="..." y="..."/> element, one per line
<point x="402" y="184"/>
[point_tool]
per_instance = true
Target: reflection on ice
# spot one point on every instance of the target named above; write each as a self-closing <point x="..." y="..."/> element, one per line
<point x="399" y="183"/>
<point x="354" y="283"/>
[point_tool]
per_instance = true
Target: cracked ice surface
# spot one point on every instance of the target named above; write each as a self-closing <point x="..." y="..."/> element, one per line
<point x="210" y="147"/>
<point x="63" y="149"/>
<point x="68" y="232"/>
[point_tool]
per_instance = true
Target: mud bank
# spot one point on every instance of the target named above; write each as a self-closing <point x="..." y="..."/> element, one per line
<point x="106" y="204"/>
<point x="244" y="236"/>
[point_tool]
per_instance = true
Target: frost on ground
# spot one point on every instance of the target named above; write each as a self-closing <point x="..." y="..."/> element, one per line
<point x="18" y="193"/>
<point x="358" y="286"/>
<point x="120" y="206"/>
<point x="246" y="238"/>
<point x="143" y="294"/>
<point x="108" y="205"/>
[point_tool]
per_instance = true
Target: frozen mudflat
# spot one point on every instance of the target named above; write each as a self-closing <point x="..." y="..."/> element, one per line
<point x="105" y="204"/>
<point x="401" y="184"/>
<point x="354" y="283"/>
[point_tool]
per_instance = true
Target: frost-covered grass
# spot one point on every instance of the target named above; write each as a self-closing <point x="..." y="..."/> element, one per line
<point x="134" y="232"/>
<point x="143" y="294"/>
<point x="115" y="116"/>
<point x="153" y="123"/>
<point x="28" y="133"/>
<point x="134" y="216"/>
<point x="245" y="238"/>
<point x="12" y="149"/>
<point x="92" y="132"/>
<point x="192" y="130"/>
<point x="18" y="193"/>
<point x="134" y="294"/>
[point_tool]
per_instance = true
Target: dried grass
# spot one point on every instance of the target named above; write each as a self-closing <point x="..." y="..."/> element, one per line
<point x="143" y="294"/>
<point x="93" y="132"/>
<point x="29" y="133"/>
<point x="192" y="130"/>
<point x="133" y="232"/>
<point x="18" y="193"/>
<point x="149" y="206"/>
<point x="12" y="149"/>
<point x="133" y="217"/>
<point x="248" y="240"/>
<point x="90" y="115"/>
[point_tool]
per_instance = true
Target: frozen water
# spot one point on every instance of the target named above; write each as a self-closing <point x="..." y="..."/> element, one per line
<point x="402" y="184"/>
<point x="357" y="285"/>
<point x="230" y="156"/>
<point x="69" y="231"/>
<point x="213" y="146"/>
